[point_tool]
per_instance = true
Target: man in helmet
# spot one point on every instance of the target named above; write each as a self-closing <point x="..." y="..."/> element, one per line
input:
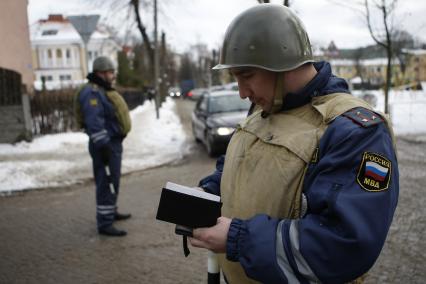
<point x="104" y="115"/>
<point x="309" y="184"/>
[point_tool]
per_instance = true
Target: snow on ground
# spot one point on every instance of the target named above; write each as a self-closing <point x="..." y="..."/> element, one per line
<point x="63" y="159"/>
<point x="407" y="110"/>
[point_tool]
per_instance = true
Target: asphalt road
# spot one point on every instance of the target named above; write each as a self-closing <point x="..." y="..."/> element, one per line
<point x="49" y="236"/>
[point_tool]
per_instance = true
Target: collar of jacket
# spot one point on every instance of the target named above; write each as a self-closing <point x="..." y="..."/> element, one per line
<point x="93" y="78"/>
<point x="323" y="83"/>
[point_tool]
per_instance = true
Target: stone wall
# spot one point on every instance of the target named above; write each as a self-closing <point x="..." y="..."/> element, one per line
<point x="15" y="122"/>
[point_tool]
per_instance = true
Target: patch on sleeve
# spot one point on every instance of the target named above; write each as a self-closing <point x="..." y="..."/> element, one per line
<point x="363" y="116"/>
<point x="374" y="172"/>
<point x="93" y="102"/>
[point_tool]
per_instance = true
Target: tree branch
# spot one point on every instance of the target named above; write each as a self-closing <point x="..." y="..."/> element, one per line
<point x="142" y="29"/>
<point x="370" y="29"/>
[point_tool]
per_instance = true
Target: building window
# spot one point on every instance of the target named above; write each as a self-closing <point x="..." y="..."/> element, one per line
<point x="379" y="69"/>
<point x="49" y="32"/>
<point x="68" y="53"/>
<point x="65" y="77"/>
<point x="59" y="53"/>
<point x="49" y="53"/>
<point x="47" y="78"/>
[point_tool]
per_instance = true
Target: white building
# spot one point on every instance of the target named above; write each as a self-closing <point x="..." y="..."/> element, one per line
<point x="58" y="52"/>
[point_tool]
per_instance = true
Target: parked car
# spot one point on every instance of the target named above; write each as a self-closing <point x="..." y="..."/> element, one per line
<point x="231" y="86"/>
<point x="174" y="92"/>
<point x="195" y="94"/>
<point x="215" y="118"/>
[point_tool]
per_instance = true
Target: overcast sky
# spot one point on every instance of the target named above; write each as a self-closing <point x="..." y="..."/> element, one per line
<point x="204" y="21"/>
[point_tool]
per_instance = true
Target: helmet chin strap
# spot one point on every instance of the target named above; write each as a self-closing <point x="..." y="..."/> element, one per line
<point x="279" y="96"/>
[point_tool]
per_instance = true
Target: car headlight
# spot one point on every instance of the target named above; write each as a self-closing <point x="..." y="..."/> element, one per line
<point x="222" y="131"/>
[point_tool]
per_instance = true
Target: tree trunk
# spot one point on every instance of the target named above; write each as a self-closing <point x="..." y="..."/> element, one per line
<point x="142" y="30"/>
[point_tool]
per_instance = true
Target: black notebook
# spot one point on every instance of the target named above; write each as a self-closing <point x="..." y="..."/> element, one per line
<point x="189" y="207"/>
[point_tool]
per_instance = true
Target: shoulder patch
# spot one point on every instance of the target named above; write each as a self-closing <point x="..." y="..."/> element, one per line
<point x="363" y="116"/>
<point x="93" y="102"/>
<point x="374" y="172"/>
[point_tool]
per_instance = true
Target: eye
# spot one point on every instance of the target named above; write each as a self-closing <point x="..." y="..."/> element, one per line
<point x="247" y="75"/>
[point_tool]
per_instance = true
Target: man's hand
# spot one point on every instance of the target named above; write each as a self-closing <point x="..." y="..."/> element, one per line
<point x="213" y="238"/>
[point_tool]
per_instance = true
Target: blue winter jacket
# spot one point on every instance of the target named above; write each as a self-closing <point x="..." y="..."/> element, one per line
<point x="100" y="120"/>
<point x="351" y="191"/>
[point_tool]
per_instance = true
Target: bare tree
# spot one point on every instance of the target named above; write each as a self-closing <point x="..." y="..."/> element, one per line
<point x="401" y="41"/>
<point x="142" y="29"/>
<point x="383" y="37"/>
<point x="380" y="31"/>
<point x="134" y="8"/>
<point x="359" y="52"/>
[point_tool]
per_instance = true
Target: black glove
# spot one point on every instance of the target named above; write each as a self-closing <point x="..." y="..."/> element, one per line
<point x="105" y="154"/>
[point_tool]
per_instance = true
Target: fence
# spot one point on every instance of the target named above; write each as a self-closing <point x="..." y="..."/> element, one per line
<point x="52" y="111"/>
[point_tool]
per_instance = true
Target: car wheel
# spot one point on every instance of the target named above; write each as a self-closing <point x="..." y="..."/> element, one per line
<point x="211" y="148"/>
<point x="198" y="140"/>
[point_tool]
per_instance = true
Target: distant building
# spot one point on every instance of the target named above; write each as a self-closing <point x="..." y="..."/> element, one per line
<point x="416" y="66"/>
<point x="15" y="48"/>
<point x="58" y="52"/>
<point x="369" y="72"/>
<point x="363" y="67"/>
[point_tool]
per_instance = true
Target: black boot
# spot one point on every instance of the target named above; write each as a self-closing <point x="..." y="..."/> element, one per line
<point x="121" y="216"/>
<point x="111" y="231"/>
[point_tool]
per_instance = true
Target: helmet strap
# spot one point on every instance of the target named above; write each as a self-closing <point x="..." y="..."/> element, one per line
<point x="279" y="96"/>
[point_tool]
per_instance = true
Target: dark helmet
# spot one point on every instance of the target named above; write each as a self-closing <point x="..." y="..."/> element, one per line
<point x="103" y="63"/>
<point x="267" y="36"/>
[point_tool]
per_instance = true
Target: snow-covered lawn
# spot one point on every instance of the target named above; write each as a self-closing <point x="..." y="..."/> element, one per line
<point x="407" y="109"/>
<point x="63" y="159"/>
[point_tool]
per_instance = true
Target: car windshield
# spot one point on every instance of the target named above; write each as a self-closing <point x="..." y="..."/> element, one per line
<point x="228" y="103"/>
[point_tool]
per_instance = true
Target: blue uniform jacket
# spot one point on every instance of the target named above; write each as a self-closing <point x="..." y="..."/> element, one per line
<point x="351" y="190"/>
<point x="100" y="121"/>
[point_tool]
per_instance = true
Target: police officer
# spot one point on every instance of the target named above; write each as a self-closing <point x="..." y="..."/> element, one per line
<point x="104" y="115"/>
<point x="309" y="184"/>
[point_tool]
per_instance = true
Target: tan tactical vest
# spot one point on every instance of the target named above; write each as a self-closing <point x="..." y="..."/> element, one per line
<point x="266" y="162"/>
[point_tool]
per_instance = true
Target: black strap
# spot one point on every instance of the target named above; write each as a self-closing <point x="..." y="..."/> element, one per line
<point x="186" y="251"/>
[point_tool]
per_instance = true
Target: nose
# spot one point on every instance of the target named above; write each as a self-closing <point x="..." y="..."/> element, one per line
<point x="243" y="90"/>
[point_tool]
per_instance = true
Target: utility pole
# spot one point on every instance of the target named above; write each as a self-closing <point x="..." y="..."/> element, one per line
<point x="156" y="67"/>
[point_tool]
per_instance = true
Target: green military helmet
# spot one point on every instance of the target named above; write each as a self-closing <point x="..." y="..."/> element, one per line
<point x="103" y="63"/>
<point x="268" y="36"/>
